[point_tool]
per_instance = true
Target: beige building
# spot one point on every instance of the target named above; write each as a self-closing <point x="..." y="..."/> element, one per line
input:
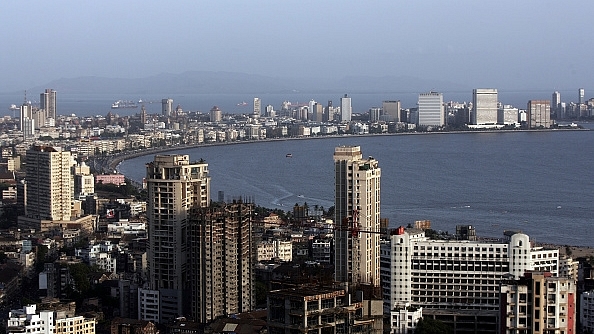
<point x="175" y="185"/>
<point x="539" y="114"/>
<point x="49" y="183"/>
<point x="538" y="303"/>
<point x="357" y="203"/>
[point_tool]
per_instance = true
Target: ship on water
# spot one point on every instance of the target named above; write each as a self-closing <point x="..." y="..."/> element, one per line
<point x="122" y="104"/>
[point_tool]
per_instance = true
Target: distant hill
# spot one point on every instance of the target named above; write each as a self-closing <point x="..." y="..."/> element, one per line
<point x="227" y="82"/>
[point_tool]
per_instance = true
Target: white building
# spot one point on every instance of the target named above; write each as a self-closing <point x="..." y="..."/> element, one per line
<point x="508" y="115"/>
<point x="431" y="273"/>
<point x="430" y="109"/>
<point x="484" y="104"/>
<point x="28" y="320"/>
<point x="405" y="319"/>
<point x="346" y="109"/>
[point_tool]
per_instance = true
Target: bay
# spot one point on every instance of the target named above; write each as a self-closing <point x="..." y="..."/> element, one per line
<point x="540" y="183"/>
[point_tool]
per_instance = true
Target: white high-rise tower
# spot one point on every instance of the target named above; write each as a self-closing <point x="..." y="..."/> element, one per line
<point x="357" y="216"/>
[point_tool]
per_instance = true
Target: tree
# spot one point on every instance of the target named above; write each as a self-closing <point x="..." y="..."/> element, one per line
<point x="432" y="326"/>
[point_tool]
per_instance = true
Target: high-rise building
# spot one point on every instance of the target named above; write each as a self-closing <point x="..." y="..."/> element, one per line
<point x="317" y="112"/>
<point x="328" y="112"/>
<point x="538" y="114"/>
<point x="215" y="114"/>
<point x="581" y="95"/>
<point x="374" y="114"/>
<point x="49" y="183"/>
<point x="430" y="109"/>
<point x="484" y="103"/>
<point x="175" y="185"/>
<point x="392" y="110"/>
<point x="538" y="303"/>
<point x="223" y="259"/>
<point x="507" y="115"/>
<point x="346" y="109"/>
<point x="556" y="103"/>
<point x="357" y="213"/>
<point x="47" y="102"/>
<point x="457" y="279"/>
<point x="166" y="107"/>
<point x="257" y="106"/>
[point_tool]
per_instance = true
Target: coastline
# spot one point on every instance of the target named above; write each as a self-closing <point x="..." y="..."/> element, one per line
<point x="112" y="162"/>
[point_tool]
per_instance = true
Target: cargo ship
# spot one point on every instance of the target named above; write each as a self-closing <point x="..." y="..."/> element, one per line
<point x="121" y="104"/>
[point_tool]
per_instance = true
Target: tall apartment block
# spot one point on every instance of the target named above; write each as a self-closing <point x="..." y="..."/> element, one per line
<point x="391" y="110"/>
<point x="484" y="103"/>
<point x="175" y="185"/>
<point x="257" y="106"/>
<point x="556" y="104"/>
<point x="166" y="107"/>
<point x="47" y="102"/>
<point x="49" y="190"/>
<point x="539" y="114"/>
<point x="538" y="303"/>
<point x="223" y="258"/>
<point x="357" y="212"/>
<point x="346" y="109"/>
<point x="456" y="281"/>
<point x="431" y="109"/>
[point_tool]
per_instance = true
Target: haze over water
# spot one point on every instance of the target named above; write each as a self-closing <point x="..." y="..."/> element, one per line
<point x="538" y="182"/>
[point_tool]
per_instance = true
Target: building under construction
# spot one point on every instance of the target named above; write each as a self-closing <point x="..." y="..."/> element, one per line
<point x="222" y="260"/>
<point x="321" y="311"/>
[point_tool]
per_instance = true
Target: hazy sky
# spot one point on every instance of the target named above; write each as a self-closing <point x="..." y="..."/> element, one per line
<point x="519" y="44"/>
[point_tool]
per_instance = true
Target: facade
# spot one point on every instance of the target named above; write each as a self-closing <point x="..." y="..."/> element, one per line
<point x="539" y="114"/>
<point x="276" y="249"/>
<point x="391" y="111"/>
<point x="346" y="109"/>
<point x="405" y="319"/>
<point x="430" y="109"/>
<point x="223" y="258"/>
<point x="49" y="183"/>
<point x="357" y="213"/>
<point x="175" y="185"/>
<point x="117" y="179"/>
<point x="374" y="114"/>
<point x="317" y="311"/>
<point x="84" y="181"/>
<point x="538" y="303"/>
<point x="166" y="107"/>
<point x="484" y="102"/>
<point x="47" y="102"/>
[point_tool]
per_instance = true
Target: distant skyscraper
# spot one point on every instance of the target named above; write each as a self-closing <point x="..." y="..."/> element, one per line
<point x="357" y="212"/>
<point x="49" y="183"/>
<point x="175" y="185"/>
<point x="47" y="102"/>
<point x="257" y="106"/>
<point x="374" y="114"/>
<point x="328" y="112"/>
<point x="539" y="114"/>
<point x="391" y="110"/>
<point x="431" y="110"/>
<point x="167" y="107"/>
<point x="26" y="114"/>
<point x="346" y="110"/>
<point x="581" y="95"/>
<point x="484" y="103"/>
<point x="317" y="112"/>
<point x="216" y="115"/>
<point x="556" y="103"/>
<point x="143" y="115"/>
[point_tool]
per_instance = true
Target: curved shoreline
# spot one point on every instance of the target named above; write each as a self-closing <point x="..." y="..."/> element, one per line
<point x="112" y="162"/>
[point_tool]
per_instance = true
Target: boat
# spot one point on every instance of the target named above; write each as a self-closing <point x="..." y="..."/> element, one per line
<point x="242" y="104"/>
<point x="289" y="155"/>
<point x="13" y="107"/>
<point x="122" y="104"/>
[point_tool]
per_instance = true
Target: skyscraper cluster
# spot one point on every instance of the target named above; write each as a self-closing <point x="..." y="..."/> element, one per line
<point x="33" y="118"/>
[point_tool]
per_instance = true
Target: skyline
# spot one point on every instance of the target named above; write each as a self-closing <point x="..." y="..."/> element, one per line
<point x="509" y="45"/>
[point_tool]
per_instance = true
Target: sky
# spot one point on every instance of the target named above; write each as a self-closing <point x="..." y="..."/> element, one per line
<point x="523" y="45"/>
